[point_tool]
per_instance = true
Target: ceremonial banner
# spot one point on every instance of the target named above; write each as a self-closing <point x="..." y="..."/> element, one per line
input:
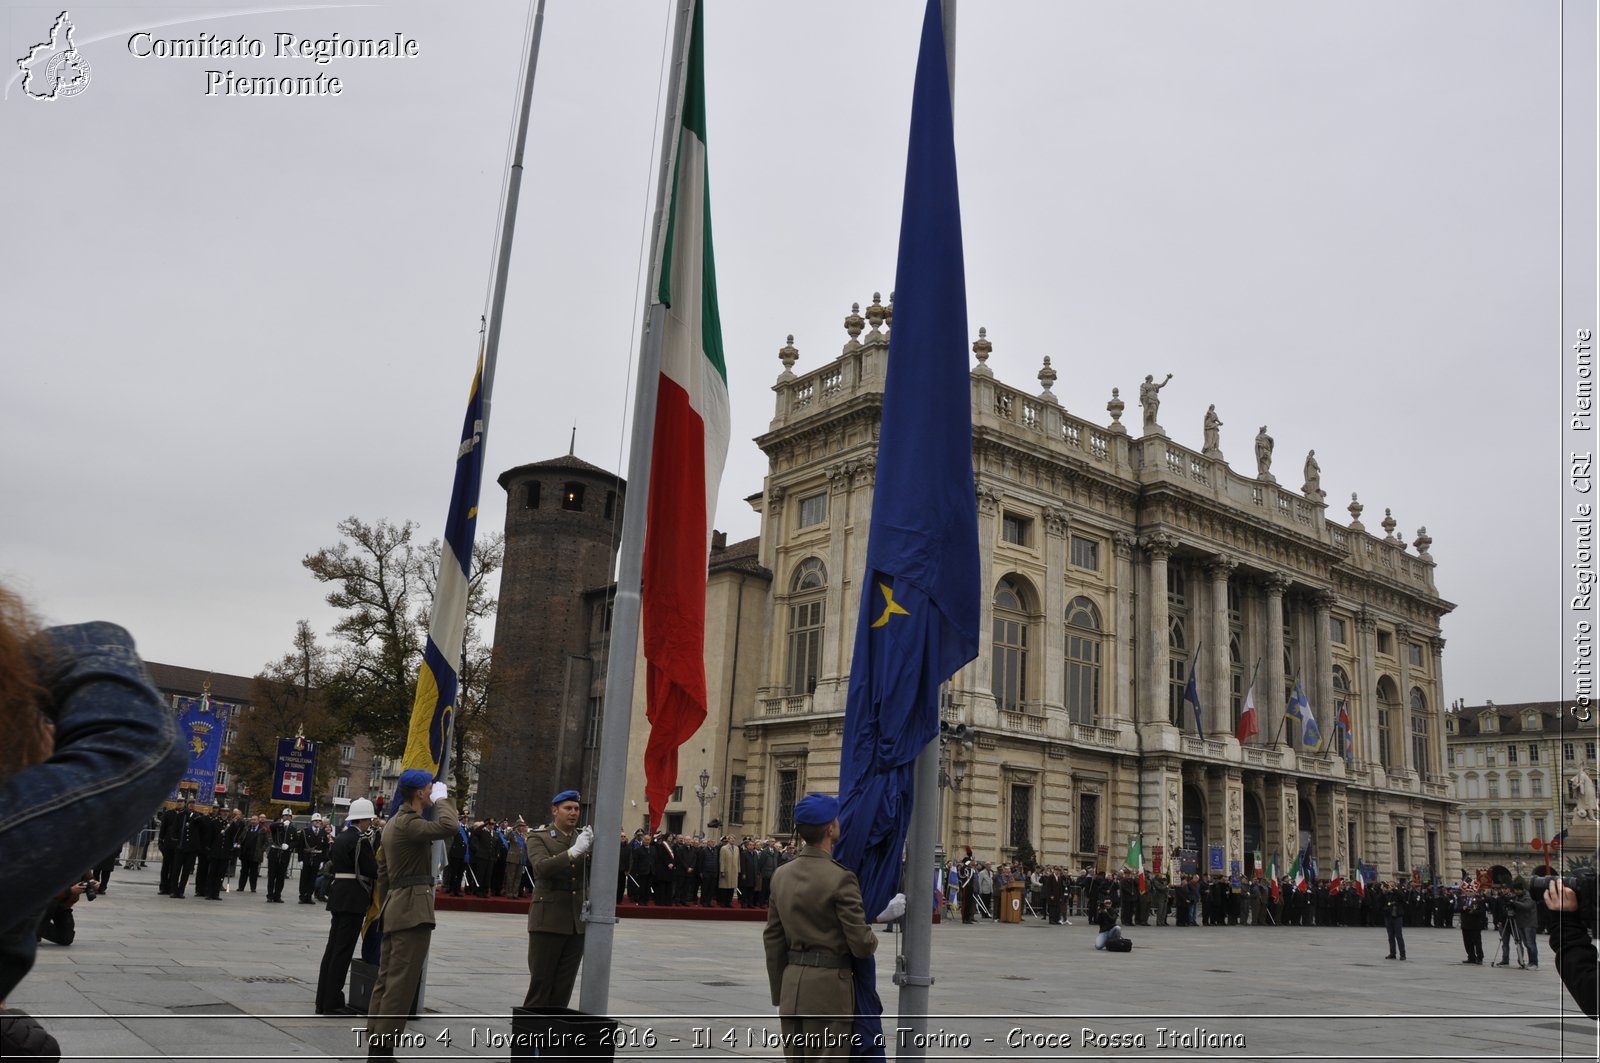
<point x="201" y="723"/>
<point x="295" y="771"/>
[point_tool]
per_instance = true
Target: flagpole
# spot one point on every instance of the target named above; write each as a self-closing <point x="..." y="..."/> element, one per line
<point x="1283" y="716"/>
<point x="914" y="974"/>
<point x="1254" y="673"/>
<point x="600" y="911"/>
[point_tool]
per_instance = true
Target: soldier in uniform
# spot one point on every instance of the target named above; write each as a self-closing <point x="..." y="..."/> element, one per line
<point x="354" y="868"/>
<point x="279" y="839"/>
<point x="558" y="855"/>
<point x="405" y="883"/>
<point x="314" y="845"/>
<point x="516" y="858"/>
<point x="815" y="926"/>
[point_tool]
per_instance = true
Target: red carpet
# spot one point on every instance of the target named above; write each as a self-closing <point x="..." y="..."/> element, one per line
<point x="626" y="910"/>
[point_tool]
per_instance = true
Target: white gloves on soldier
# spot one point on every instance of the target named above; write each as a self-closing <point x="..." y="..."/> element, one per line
<point x="896" y="909"/>
<point x="440" y="790"/>
<point x="584" y="843"/>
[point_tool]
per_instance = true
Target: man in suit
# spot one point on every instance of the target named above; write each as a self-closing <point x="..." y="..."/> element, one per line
<point x="815" y="926"/>
<point x="557" y="856"/>
<point x="252" y="848"/>
<point x="354" y="868"/>
<point x="191" y="840"/>
<point x="405" y="883"/>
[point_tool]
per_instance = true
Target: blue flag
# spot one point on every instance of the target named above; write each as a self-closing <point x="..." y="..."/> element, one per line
<point x="433" y="712"/>
<point x="1299" y="710"/>
<point x="920" y="595"/>
<point x="1191" y="694"/>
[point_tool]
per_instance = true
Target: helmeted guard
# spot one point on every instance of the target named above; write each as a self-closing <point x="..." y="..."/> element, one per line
<point x="279" y="841"/>
<point x="558" y="855"/>
<point x="353" y="867"/>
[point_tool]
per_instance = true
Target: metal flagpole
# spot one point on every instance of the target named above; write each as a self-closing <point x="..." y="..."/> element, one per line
<point x="600" y="912"/>
<point x="915" y="975"/>
<point x="1284" y="715"/>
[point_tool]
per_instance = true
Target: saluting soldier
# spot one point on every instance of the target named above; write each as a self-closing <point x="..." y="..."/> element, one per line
<point x="815" y="927"/>
<point x="558" y="855"/>
<point x="516" y="858"/>
<point x="405" y="884"/>
<point x="354" y="872"/>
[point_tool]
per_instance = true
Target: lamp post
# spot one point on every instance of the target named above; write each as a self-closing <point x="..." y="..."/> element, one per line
<point x="705" y="792"/>
<point x="951" y="771"/>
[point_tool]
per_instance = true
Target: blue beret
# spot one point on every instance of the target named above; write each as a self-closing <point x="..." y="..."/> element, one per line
<point x="416" y="779"/>
<point x="816" y="809"/>
<point x="564" y="795"/>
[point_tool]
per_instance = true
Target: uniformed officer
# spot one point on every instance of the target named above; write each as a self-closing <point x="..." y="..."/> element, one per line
<point x="557" y="857"/>
<point x="280" y="838"/>
<point x="405" y="883"/>
<point x="815" y="925"/>
<point x="354" y="867"/>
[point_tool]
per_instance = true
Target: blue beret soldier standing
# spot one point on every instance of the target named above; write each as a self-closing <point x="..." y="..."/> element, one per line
<point x="558" y="856"/>
<point x="815" y="925"/>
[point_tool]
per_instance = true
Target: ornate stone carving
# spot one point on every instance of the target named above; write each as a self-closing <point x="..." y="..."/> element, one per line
<point x="788" y="354"/>
<point x="1324" y="600"/>
<point x="1275" y="583"/>
<point x="1366" y="621"/>
<point x="775" y="500"/>
<point x="1389" y="524"/>
<point x="1056" y="520"/>
<point x="876" y="312"/>
<point x="1220" y="567"/>
<point x="1438" y="646"/>
<point x="1150" y="402"/>
<point x="1047" y="379"/>
<point x="1264" y="447"/>
<point x="1115" y="408"/>
<point x="838" y="475"/>
<point x="1355" y="507"/>
<point x="1291" y="821"/>
<point x="853" y="323"/>
<point x="1312" y="488"/>
<point x="1159" y="544"/>
<point x="1340" y="833"/>
<point x="1174" y="819"/>
<point x="1235" y="821"/>
<point x="981" y="349"/>
<point x="1123" y="543"/>
<point x="865" y="470"/>
<point x="1213" y="424"/>
<point x="989" y="497"/>
<point x="1423" y="541"/>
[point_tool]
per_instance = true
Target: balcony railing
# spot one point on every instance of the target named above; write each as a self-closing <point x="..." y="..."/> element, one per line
<point x="788" y="705"/>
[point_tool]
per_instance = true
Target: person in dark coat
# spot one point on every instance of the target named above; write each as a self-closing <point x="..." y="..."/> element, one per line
<point x="709" y="870"/>
<point x="252" y="850"/>
<point x="191" y="843"/>
<point x="313" y="849"/>
<point x="455" y="868"/>
<point x="215" y="859"/>
<point x="666" y="862"/>
<point x="481" y="859"/>
<point x="353" y="866"/>
<point x="280" y="839"/>
<point x="641" y="868"/>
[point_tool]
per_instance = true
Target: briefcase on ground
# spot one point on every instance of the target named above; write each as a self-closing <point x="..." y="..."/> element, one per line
<point x="363" y="976"/>
<point x="1119" y="945"/>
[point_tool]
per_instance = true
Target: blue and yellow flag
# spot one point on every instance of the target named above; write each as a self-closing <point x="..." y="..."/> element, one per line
<point x="1299" y="710"/>
<point x="920" y="595"/>
<point x="433" y="712"/>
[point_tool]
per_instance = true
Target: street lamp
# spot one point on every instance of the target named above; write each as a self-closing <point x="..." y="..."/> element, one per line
<point x="705" y="792"/>
<point x="951" y="771"/>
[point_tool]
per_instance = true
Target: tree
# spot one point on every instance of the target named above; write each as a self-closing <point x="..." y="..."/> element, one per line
<point x="287" y="701"/>
<point x="384" y="583"/>
<point x="1025" y="855"/>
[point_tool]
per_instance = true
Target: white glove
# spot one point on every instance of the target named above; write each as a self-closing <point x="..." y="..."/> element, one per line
<point x="440" y="791"/>
<point x="583" y="843"/>
<point x="896" y="909"/>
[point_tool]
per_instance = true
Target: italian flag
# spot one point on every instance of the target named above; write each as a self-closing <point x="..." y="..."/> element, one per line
<point x="1272" y="879"/>
<point x="689" y="447"/>
<point x="1358" y="882"/>
<point x="1338" y="879"/>
<point x="1298" y="873"/>
<point x="1247" y="718"/>
<point x="1136" y="859"/>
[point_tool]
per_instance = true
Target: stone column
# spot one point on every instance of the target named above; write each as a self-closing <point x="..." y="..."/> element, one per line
<point x="1322" y="688"/>
<point x="1402" y="653"/>
<point x="1367" y="690"/>
<point x="1220" y="716"/>
<point x="1156" y="651"/>
<point x="776" y="557"/>
<point x="1269" y="695"/>
<point x="988" y="541"/>
<point x="1055" y="607"/>
<point x="1123" y="642"/>
<point x="841" y="516"/>
<point x="1436" y="712"/>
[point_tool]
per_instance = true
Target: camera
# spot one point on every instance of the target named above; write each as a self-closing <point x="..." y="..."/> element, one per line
<point x="1584" y="884"/>
<point x="89" y="889"/>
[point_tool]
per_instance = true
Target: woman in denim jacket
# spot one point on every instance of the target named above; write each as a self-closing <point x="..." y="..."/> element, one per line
<point x="90" y="749"/>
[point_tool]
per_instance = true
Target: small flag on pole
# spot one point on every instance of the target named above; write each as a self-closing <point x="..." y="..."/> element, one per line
<point x="1247" y="718"/>
<point x="1347" y="739"/>
<point x="1299" y="711"/>
<point x="1191" y="694"/>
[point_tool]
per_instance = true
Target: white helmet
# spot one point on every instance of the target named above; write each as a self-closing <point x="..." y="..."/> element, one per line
<point x="360" y="809"/>
<point x="316" y="817"/>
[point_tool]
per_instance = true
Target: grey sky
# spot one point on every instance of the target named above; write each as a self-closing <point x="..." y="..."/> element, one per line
<point x="230" y="322"/>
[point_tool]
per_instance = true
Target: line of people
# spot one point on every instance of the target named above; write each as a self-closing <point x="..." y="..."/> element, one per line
<point x="209" y="848"/>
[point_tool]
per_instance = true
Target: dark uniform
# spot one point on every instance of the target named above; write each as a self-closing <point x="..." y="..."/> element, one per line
<point x="279" y="839"/>
<point x="252" y="848"/>
<point x="313" y="849"/>
<point x="354" y="869"/>
<point x="555" y="917"/>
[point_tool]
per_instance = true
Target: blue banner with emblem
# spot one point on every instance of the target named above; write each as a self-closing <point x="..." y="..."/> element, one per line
<point x="201" y="724"/>
<point x="295" y="771"/>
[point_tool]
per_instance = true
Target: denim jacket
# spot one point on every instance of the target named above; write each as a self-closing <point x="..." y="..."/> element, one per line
<point x="117" y="756"/>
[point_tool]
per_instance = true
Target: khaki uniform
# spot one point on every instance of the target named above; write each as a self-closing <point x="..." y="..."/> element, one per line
<point x="405" y="884"/>
<point x="555" y="917"/>
<point x="815" y="911"/>
<point x="513" y="877"/>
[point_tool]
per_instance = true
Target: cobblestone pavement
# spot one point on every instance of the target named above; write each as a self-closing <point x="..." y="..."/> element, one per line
<point x="151" y="977"/>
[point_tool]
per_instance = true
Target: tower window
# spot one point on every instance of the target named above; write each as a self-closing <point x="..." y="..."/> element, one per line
<point x="530" y="496"/>
<point x="611" y="504"/>
<point x="572" y="496"/>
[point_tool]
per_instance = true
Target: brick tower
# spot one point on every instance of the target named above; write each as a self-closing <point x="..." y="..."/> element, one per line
<point x="563" y="520"/>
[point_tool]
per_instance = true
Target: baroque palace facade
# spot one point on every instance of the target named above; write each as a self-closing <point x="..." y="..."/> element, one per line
<point x="1111" y="563"/>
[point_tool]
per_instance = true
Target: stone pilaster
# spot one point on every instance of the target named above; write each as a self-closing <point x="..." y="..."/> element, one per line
<point x="1402" y="652"/>
<point x="1123" y="652"/>
<point x="1055" y="607"/>
<point x="1269" y="695"/>
<point x="1367" y="745"/>
<point x="1322" y="688"/>
<point x="1220" y="715"/>
<point x="1155" y="653"/>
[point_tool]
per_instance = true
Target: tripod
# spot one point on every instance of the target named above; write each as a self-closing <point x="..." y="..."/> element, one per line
<point x="1509" y="937"/>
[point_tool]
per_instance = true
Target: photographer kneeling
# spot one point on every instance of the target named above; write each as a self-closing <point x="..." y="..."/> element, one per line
<point x="58" y="926"/>
<point x="1573" y="946"/>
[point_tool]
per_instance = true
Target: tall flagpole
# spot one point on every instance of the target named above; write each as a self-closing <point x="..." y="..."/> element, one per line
<point x="600" y="912"/>
<point x="914" y="973"/>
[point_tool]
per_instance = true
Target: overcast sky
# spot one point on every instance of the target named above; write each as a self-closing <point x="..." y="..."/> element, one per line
<point x="230" y="322"/>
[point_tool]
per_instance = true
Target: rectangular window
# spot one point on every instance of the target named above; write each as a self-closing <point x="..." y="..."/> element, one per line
<point x="1540" y="825"/>
<point x="222" y="778"/>
<point x="347" y="753"/>
<point x="1536" y="789"/>
<point x="1014" y="530"/>
<point x="341" y="788"/>
<point x="1414" y="651"/>
<point x="1494" y="788"/>
<point x="1021" y="814"/>
<point x="736" y="799"/>
<point x="677" y="792"/>
<point x="1010" y="680"/>
<point x="1588" y="750"/>
<point x="1533" y="753"/>
<point x="1088" y="822"/>
<point x="674" y="823"/>
<point x="1337" y="630"/>
<point x="1083" y="678"/>
<point x="1511" y="754"/>
<point x="1421" y="745"/>
<point x="788" y="785"/>
<point x="230" y="736"/>
<point x="591" y="733"/>
<point x="805" y="645"/>
<point x="1385" y="642"/>
<point x="1516" y="789"/>
<point x="813" y="510"/>
<point x="1450" y="758"/>
<point x="1567" y="751"/>
<point x="1086" y="553"/>
<point x="1494" y="832"/>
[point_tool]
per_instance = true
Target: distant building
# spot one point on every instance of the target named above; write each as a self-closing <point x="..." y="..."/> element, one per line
<point x="1511" y="767"/>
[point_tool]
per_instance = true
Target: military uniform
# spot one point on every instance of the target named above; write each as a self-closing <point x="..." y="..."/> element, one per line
<point x="353" y="867"/>
<point x="405" y="882"/>
<point x="815" y="925"/>
<point x="555" y="917"/>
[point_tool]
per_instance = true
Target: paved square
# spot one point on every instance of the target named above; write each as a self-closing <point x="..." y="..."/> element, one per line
<point x="154" y="978"/>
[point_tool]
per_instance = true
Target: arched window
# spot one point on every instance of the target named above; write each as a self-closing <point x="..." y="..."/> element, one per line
<point x="1236" y="678"/>
<point x="1177" y="665"/>
<point x="1341" y="702"/>
<point x="807" y="599"/>
<point x="1388" y="711"/>
<point x="1083" y="661"/>
<point x="1421" y="733"/>
<point x="1010" y="681"/>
